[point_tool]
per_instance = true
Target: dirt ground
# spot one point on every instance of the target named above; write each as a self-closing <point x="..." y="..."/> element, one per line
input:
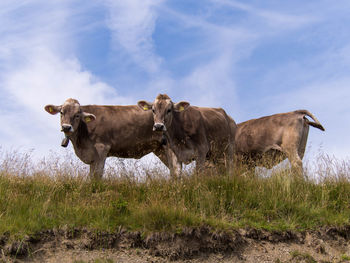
<point x="192" y="245"/>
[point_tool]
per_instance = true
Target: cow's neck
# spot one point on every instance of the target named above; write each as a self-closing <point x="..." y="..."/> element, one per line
<point x="80" y="140"/>
<point x="175" y="129"/>
<point x="176" y="134"/>
<point x="179" y="142"/>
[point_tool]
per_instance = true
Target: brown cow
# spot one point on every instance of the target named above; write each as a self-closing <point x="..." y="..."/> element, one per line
<point x="98" y="132"/>
<point x="193" y="133"/>
<point x="268" y="140"/>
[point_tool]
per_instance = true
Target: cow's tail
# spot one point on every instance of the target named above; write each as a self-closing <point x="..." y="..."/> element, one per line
<point x="315" y="124"/>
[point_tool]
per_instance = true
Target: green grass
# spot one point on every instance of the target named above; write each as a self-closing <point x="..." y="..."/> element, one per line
<point x="344" y="258"/>
<point x="56" y="198"/>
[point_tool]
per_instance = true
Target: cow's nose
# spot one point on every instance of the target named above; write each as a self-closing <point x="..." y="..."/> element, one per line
<point x="66" y="128"/>
<point x="159" y="127"/>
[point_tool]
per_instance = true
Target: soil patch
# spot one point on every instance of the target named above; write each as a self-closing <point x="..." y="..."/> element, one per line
<point x="329" y="244"/>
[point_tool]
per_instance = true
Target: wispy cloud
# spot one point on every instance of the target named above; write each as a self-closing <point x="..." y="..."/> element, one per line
<point x="132" y="24"/>
<point x="224" y="45"/>
<point x="274" y="19"/>
<point x="209" y="81"/>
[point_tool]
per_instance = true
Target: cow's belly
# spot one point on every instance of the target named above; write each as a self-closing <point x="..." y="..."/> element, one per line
<point x="273" y="157"/>
<point x="267" y="159"/>
<point x="127" y="153"/>
<point x="133" y="151"/>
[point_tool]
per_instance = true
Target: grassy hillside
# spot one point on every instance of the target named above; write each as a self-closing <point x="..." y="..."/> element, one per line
<point x="54" y="194"/>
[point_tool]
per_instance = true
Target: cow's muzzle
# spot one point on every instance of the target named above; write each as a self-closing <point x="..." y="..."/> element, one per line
<point x="159" y="127"/>
<point x="67" y="128"/>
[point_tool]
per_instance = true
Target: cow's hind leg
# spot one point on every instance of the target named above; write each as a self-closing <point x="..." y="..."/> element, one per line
<point x="292" y="147"/>
<point x="296" y="163"/>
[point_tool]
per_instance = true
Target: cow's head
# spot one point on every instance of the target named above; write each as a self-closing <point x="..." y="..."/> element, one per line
<point x="71" y="115"/>
<point x="163" y="110"/>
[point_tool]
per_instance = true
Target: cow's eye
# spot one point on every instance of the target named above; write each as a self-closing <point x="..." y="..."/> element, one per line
<point x="168" y="111"/>
<point x="153" y="110"/>
<point x="76" y="116"/>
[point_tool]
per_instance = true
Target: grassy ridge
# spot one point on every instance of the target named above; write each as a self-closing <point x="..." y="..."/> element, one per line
<point x="156" y="203"/>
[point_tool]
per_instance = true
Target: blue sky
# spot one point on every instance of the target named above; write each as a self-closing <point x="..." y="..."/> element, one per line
<point x="252" y="58"/>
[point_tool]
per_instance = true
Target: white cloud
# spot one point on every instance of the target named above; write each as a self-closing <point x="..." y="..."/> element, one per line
<point x="44" y="79"/>
<point x="132" y="23"/>
<point x="37" y="69"/>
<point x="47" y="77"/>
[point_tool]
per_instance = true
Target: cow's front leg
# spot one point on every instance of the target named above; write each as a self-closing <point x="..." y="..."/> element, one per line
<point x="168" y="160"/>
<point x="96" y="169"/>
<point x="97" y="166"/>
<point x="173" y="163"/>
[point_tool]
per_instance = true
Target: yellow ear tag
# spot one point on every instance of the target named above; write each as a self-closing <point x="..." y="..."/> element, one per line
<point x="145" y="107"/>
<point x="87" y="119"/>
<point x="50" y="109"/>
<point x="181" y="108"/>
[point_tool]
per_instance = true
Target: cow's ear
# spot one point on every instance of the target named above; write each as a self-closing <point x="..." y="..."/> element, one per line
<point x="144" y="105"/>
<point x="88" y="117"/>
<point x="181" y="106"/>
<point x="52" y="109"/>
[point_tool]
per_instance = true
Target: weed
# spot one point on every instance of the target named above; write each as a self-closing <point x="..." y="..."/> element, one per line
<point x="121" y="206"/>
